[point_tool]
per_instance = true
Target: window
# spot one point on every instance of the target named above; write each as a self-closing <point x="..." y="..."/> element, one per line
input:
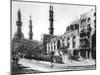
<point x="63" y="42"/>
<point x="72" y="27"/>
<point x="89" y="27"/>
<point x="54" y="45"/>
<point x="48" y="47"/>
<point x="83" y="22"/>
<point x="94" y="14"/>
<point x="89" y="19"/>
<point x="73" y="41"/>
<point x="76" y="26"/>
<point x="84" y="42"/>
<point x="75" y="52"/>
<point x="58" y="44"/>
<point x="68" y="28"/>
<point x="68" y="42"/>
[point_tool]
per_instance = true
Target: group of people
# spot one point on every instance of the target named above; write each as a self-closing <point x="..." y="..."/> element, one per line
<point x="15" y="59"/>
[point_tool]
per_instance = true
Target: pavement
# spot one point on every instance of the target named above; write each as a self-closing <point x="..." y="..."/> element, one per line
<point x="19" y="69"/>
<point x="44" y="66"/>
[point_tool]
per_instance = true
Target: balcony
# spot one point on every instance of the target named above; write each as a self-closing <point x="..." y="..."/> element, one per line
<point x="84" y="43"/>
<point x="85" y="33"/>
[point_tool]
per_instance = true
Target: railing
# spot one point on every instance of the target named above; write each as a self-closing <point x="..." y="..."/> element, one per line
<point x="85" y="33"/>
<point x="84" y="42"/>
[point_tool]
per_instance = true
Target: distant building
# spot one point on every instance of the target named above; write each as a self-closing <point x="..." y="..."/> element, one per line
<point x="21" y="45"/>
<point x="24" y="44"/>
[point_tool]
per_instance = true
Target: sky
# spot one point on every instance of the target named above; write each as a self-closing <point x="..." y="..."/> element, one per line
<point x="63" y="16"/>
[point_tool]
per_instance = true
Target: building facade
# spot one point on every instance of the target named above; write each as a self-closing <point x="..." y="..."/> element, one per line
<point x="65" y="44"/>
<point x="45" y="39"/>
<point x="19" y="44"/>
<point x="87" y="32"/>
<point x="78" y="40"/>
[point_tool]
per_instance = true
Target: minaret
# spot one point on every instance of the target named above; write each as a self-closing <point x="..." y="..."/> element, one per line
<point x="51" y="29"/>
<point x="19" y="35"/>
<point x="30" y="27"/>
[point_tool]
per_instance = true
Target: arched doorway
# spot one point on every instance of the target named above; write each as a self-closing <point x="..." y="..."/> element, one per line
<point x="57" y="51"/>
<point x="75" y="52"/>
<point x="58" y="44"/>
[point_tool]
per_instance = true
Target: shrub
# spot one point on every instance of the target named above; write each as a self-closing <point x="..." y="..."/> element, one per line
<point x="57" y="59"/>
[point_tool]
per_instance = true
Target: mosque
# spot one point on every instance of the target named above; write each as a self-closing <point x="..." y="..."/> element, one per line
<point x="78" y="40"/>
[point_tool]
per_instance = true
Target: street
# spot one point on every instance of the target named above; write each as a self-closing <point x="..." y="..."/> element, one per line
<point x="26" y="66"/>
<point x="19" y="69"/>
<point x="46" y="66"/>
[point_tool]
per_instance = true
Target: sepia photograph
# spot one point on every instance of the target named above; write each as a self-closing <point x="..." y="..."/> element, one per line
<point x="52" y="37"/>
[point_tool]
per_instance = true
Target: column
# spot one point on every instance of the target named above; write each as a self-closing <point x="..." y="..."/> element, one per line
<point x="56" y="45"/>
<point x="56" y="50"/>
<point x="47" y="48"/>
<point x="79" y="54"/>
<point x="86" y="54"/>
<point x="53" y="45"/>
<point x="90" y="42"/>
<point x="90" y="54"/>
<point x="72" y="52"/>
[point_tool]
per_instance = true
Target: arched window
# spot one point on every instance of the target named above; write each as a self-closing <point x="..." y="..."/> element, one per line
<point x="58" y="44"/>
<point x="73" y="41"/>
<point x="68" y="42"/>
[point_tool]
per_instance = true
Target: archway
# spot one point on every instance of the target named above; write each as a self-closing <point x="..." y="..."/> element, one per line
<point x="58" y="44"/>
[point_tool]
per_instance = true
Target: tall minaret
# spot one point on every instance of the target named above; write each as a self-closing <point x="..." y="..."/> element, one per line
<point x="19" y="35"/>
<point x="51" y="29"/>
<point x="30" y="27"/>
